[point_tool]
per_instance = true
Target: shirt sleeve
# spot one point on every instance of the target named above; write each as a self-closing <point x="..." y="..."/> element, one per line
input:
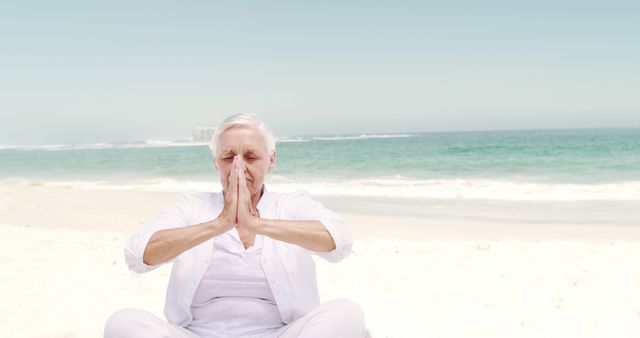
<point x="177" y="215"/>
<point x="308" y="209"/>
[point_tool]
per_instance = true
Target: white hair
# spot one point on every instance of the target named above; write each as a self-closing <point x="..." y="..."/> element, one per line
<point x="250" y="120"/>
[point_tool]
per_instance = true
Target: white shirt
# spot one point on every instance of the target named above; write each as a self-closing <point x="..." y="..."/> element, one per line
<point x="289" y="269"/>
<point x="234" y="290"/>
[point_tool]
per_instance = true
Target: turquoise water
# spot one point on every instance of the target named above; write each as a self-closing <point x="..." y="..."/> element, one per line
<point x="568" y="176"/>
<point x="569" y="156"/>
<point x="563" y="156"/>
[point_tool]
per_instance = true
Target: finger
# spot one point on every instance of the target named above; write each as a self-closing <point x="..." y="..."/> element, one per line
<point x="245" y="204"/>
<point x="240" y="161"/>
<point x="242" y="183"/>
<point x="235" y="162"/>
<point x="232" y="191"/>
<point x="232" y="182"/>
<point x="232" y="171"/>
<point x="243" y="172"/>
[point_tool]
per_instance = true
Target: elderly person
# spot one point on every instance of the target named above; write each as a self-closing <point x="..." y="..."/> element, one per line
<point x="242" y="264"/>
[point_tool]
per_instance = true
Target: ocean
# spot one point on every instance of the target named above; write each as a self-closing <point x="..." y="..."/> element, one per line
<point x="577" y="175"/>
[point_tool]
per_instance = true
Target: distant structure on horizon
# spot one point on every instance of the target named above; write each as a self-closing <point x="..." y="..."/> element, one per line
<point x="202" y="134"/>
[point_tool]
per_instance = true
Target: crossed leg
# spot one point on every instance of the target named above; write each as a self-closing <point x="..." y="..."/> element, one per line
<point x="338" y="318"/>
<point x="135" y="323"/>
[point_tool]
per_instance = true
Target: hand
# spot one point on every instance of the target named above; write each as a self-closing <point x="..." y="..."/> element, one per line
<point x="248" y="216"/>
<point x="229" y="215"/>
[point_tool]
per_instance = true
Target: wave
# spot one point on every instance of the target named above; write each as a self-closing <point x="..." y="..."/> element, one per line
<point x="389" y="187"/>
<point x="478" y="189"/>
<point x="40" y="147"/>
<point x="359" y="137"/>
<point x="185" y="143"/>
<point x="341" y="137"/>
<point x="287" y="139"/>
<point x="107" y="145"/>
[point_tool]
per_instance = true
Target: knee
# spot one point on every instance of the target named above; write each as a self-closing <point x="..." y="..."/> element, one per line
<point x="347" y="309"/>
<point x="120" y="323"/>
<point x="350" y="314"/>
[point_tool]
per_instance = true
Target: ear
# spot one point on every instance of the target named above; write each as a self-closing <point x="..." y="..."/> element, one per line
<point x="272" y="161"/>
<point x="214" y="165"/>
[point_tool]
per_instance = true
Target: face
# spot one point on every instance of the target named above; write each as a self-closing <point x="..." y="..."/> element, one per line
<point x="251" y="145"/>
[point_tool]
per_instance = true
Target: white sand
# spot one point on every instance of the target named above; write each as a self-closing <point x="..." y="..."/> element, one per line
<point x="63" y="271"/>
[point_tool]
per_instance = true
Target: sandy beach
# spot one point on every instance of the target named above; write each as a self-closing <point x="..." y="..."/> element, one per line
<point x="485" y="154"/>
<point x="63" y="271"/>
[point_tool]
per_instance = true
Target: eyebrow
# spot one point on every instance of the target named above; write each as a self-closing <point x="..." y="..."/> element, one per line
<point x="247" y="151"/>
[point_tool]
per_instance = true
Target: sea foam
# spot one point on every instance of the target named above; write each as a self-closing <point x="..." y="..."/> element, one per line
<point x="445" y="189"/>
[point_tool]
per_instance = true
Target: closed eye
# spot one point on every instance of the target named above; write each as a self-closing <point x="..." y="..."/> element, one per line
<point x="251" y="156"/>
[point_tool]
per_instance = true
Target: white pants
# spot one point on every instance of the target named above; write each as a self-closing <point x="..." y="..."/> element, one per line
<point x="339" y="318"/>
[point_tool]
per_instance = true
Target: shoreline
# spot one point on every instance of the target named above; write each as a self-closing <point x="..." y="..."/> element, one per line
<point x="126" y="211"/>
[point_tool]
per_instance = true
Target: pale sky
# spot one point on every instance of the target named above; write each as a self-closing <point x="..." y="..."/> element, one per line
<point x="89" y="71"/>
